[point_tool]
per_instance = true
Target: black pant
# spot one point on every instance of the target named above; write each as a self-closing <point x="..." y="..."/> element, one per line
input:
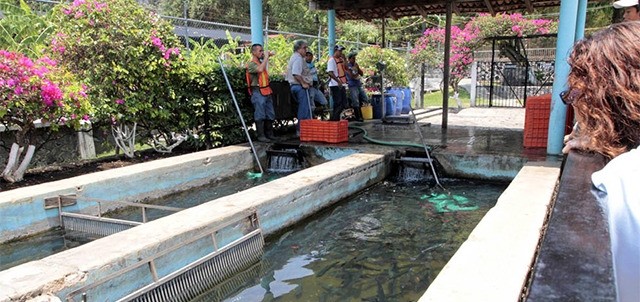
<point x="339" y="95"/>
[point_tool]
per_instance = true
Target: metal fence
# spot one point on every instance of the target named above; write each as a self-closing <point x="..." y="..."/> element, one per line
<point x="509" y="73"/>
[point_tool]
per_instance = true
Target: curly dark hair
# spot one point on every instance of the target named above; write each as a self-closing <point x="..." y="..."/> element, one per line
<point x="604" y="82"/>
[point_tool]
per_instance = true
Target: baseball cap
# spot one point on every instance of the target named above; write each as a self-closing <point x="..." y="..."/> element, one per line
<point x="339" y="47"/>
<point x="352" y="54"/>
<point x="625" y="3"/>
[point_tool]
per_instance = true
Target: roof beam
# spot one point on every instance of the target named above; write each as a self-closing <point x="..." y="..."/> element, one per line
<point x="490" y="7"/>
<point x="421" y="11"/>
<point x="456" y="9"/>
<point x="529" y="6"/>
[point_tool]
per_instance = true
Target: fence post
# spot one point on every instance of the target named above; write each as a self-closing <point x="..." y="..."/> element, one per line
<point x="474" y="83"/>
<point x="86" y="147"/>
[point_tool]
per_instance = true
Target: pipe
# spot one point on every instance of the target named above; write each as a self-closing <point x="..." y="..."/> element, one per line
<point x="244" y="126"/>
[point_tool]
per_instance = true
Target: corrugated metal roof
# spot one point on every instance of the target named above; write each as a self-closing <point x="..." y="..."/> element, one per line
<point x="376" y="9"/>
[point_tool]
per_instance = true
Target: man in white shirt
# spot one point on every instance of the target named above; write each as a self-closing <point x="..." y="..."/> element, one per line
<point x="300" y="79"/>
<point x="338" y="83"/>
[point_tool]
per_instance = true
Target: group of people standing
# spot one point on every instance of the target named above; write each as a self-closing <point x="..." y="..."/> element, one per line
<point x="305" y="85"/>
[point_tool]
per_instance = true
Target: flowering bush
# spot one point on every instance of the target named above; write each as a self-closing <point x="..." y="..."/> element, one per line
<point x="429" y="47"/>
<point x="35" y="90"/>
<point x="130" y="57"/>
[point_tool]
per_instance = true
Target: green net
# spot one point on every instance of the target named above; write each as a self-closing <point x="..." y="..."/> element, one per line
<point x="444" y="203"/>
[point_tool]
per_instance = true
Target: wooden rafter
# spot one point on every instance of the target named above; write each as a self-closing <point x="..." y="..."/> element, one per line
<point x="529" y="6"/>
<point x="455" y="8"/>
<point x="421" y="11"/>
<point x="490" y="7"/>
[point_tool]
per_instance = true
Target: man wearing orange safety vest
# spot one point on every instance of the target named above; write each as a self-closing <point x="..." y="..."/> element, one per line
<point x="338" y="83"/>
<point x="260" y="91"/>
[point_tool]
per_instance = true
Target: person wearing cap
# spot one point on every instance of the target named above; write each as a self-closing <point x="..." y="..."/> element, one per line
<point x="260" y="91"/>
<point x="631" y="9"/>
<point x="316" y="95"/>
<point x="300" y="79"/>
<point x="356" y="92"/>
<point x="336" y="71"/>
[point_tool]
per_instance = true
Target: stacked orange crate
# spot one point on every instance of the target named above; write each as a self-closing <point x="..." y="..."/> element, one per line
<point x="324" y="131"/>
<point x="536" y="121"/>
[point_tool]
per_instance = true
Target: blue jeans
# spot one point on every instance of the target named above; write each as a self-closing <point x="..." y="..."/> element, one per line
<point x="262" y="105"/>
<point x="304" y="111"/>
<point x="317" y="97"/>
<point x="358" y="96"/>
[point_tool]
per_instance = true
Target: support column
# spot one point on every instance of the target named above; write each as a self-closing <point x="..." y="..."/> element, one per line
<point x="331" y="28"/>
<point x="255" y="7"/>
<point x="447" y="72"/>
<point x="567" y="29"/>
<point x="581" y="20"/>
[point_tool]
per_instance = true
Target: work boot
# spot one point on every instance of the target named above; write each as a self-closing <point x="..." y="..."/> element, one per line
<point x="260" y="130"/>
<point x="358" y="114"/>
<point x="268" y="130"/>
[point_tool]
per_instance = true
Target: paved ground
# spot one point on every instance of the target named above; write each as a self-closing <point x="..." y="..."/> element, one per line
<point x="504" y="118"/>
<point x="470" y="131"/>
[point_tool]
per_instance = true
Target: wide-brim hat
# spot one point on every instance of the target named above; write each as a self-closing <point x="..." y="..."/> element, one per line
<point x="625" y="3"/>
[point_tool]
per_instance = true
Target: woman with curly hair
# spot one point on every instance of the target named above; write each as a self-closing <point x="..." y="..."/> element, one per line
<point x="604" y="90"/>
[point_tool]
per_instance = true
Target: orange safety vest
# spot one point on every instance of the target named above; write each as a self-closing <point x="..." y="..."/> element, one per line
<point x="341" y="74"/>
<point x="263" y="80"/>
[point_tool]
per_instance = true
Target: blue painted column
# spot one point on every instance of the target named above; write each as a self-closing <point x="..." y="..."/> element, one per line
<point x="581" y="20"/>
<point x="566" y="34"/>
<point x="331" y="28"/>
<point x="255" y="7"/>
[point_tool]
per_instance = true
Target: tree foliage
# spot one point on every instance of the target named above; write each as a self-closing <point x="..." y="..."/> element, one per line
<point x="21" y="29"/>
<point x="395" y="72"/>
<point x="129" y="57"/>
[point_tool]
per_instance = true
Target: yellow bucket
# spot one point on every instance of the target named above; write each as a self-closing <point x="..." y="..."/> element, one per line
<point x="367" y="112"/>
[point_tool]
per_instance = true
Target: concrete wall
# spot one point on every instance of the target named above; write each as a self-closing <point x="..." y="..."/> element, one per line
<point x="279" y="204"/>
<point x="23" y="213"/>
<point x="494" y="263"/>
<point x="480" y="166"/>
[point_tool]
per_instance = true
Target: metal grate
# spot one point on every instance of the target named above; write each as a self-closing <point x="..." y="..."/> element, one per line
<point x="196" y="278"/>
<point x="100" y="226"/>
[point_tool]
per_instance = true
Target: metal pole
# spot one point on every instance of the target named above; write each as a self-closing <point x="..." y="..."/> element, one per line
<point x="493" y="66"/>
<point x="186" y="24"/>
<point x="566" y="35"/>
<point x="421" y="92"/>
<point x="255" y="10"/>
<point x="244" y="126"/>
<point x="384" y="41"/>
<point x="447" y="72"/>
<point x="331" y="23"/>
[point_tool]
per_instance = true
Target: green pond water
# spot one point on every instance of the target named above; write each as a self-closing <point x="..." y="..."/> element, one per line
<point x="387" y="243"/>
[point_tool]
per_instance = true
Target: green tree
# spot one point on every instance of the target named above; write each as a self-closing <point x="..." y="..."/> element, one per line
<point x="129" y="56"/>
<point x="22" y="30"/>
<point x="395" y="72"/>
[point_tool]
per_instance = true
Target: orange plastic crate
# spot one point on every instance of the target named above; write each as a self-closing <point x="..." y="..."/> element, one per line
<point x="536" y="121"/>
<point x="324" y="131"/>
